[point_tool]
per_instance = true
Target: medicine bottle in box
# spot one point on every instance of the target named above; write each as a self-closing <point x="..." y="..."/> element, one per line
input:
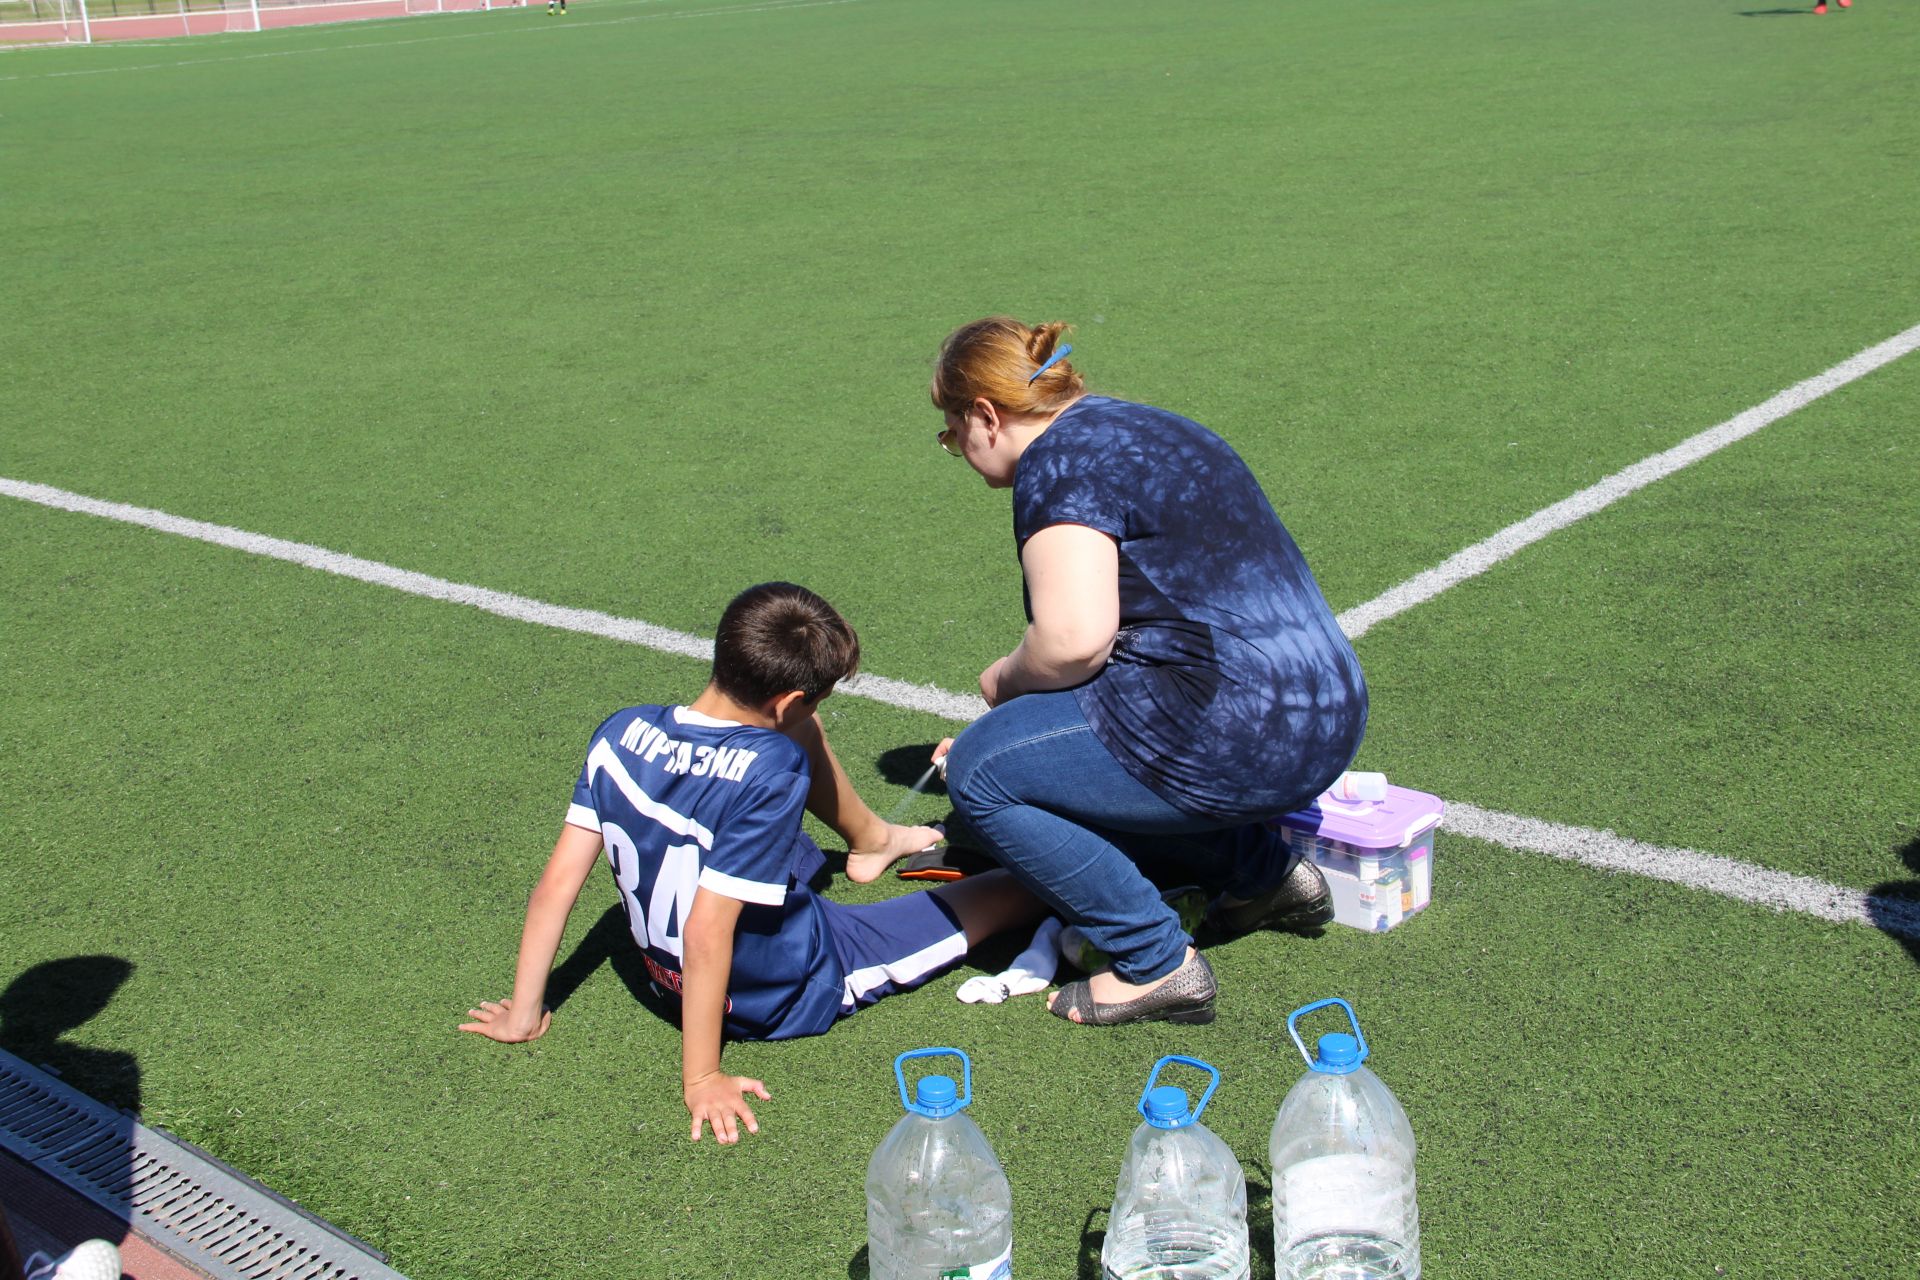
<point x="1377" y="855"/>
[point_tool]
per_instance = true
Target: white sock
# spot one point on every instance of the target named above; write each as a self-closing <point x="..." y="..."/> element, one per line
<point x="89" y="1260"/>
<point x="1032" y="970"/>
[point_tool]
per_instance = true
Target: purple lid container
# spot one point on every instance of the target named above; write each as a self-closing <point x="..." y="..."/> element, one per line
<point x="1370" y="824"/>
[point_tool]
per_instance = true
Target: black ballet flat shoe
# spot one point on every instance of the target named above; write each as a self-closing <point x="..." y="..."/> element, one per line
<point x="1185" y="997"/>
<point x="1300" y="903"/>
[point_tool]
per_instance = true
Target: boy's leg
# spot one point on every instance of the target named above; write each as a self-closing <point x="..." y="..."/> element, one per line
<point x="989" y="903"/>
<point x="896" y="945"/>
<point x="873" y="844"/>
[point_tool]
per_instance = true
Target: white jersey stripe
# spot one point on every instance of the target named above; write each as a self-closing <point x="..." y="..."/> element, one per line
<point x="579" y="815"/>
<point x="766" y="895"/>
<point x="602" y="757"/>
<point x="907" y="969"/>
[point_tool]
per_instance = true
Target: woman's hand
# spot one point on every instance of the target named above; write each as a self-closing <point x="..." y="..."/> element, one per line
<point x="995" y="686"/>
<point x="939" y="756"/>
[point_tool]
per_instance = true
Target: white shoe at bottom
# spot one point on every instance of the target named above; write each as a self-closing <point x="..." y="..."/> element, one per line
<point x="89" y="1260"/>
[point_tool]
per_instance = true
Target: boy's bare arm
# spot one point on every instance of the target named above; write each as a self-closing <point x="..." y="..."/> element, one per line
<point x="521" y="1016"/>
<point x="712" y="1096"/>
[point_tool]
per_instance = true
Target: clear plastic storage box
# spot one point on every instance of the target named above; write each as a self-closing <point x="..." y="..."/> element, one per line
<point x="1377" y="855"/>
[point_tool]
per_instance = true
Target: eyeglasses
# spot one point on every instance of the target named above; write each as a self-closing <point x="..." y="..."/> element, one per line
<point x="946" y="438"/>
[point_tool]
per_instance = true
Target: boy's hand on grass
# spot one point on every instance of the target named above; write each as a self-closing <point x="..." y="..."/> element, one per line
<point x="715" y="1099"/>
<point x="500" y="1022"/>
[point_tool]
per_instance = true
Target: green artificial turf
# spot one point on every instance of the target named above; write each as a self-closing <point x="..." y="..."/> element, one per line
<point x="307" y="813"/>
<point x="1723" y="661"/>
<point x="628" y="312"/>
<point x="701" y="265"/>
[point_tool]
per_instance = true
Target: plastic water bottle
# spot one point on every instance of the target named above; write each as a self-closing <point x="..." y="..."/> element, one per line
<point x="938" y="1205"/>
<point x="1342" y="1151"/>
<point x="1180" y="1210"/>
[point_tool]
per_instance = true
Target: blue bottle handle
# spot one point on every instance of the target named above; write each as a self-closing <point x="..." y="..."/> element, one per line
<point x="1296" y="1015"/>
<point x="966" y="1074"/>
<point x="1141" y="1106"/>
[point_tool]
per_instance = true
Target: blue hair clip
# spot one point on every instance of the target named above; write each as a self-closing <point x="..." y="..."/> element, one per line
<point x="1064" y="351"/>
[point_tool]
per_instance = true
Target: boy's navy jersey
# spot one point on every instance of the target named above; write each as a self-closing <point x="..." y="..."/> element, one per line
<point x="685" y="802"/>
<point x="1231" y="690"/>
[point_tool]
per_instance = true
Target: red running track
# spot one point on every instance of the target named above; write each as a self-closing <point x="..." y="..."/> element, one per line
<point x="163" y="26"/>
<point x="50" y="1218"/>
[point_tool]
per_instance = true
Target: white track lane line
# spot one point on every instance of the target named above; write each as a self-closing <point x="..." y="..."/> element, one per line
<point x="1482" y="556"/>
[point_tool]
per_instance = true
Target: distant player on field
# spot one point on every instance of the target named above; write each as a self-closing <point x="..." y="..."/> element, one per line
<point x="698" y="811"/>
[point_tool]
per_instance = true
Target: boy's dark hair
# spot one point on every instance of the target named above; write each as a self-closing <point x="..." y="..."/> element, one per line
<point x="777" y="637"/>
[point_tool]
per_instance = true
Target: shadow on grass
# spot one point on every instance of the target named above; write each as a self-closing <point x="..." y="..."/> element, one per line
<point x="904" y="766"/>
<point x="37" y="1010"/>
<point x="1260" y="1221"/>
<point x="608" y="943"/>
<point x="1092" y="1241"/>
<point x="45" y="1002"/>
<point x="1775" y="13"/>
<point x="1895" y="905"/>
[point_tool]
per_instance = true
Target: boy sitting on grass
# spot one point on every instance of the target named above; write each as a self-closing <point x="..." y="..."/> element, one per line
<point x="698" y="809"/>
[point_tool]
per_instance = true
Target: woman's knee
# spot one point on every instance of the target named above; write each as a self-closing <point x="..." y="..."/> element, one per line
<point x="994" y="758"/>
<point x="971" y="785"/>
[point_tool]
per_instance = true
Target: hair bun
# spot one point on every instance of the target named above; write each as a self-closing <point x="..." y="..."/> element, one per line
<point x="998" y="359"/>
<point x="1044" y="338"/>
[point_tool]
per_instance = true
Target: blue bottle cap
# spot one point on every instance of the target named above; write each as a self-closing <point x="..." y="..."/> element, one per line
<point x="936" y="1096"/>
<point x="1166" y="1108"/>
<point x="1339" y="1054"/>
<point x="933" y="1096"/>
<point x="1335" y="1058"/>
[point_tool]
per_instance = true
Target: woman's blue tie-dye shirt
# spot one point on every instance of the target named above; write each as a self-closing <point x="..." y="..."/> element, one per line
<point x="1231" y="691"/>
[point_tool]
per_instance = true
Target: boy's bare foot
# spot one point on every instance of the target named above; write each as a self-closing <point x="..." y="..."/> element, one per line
<point x="867" y="865"/>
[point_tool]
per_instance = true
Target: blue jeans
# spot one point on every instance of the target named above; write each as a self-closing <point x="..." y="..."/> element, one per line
<point x="1054" y="806"/>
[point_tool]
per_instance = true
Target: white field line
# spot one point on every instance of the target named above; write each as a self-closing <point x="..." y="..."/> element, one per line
<point x="1602" y="849"/>
<point x="1739" y="880"/>
<point x="590" y="622"/>
<point x="766" y="6"/>
<point x="1482" y="556"/>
